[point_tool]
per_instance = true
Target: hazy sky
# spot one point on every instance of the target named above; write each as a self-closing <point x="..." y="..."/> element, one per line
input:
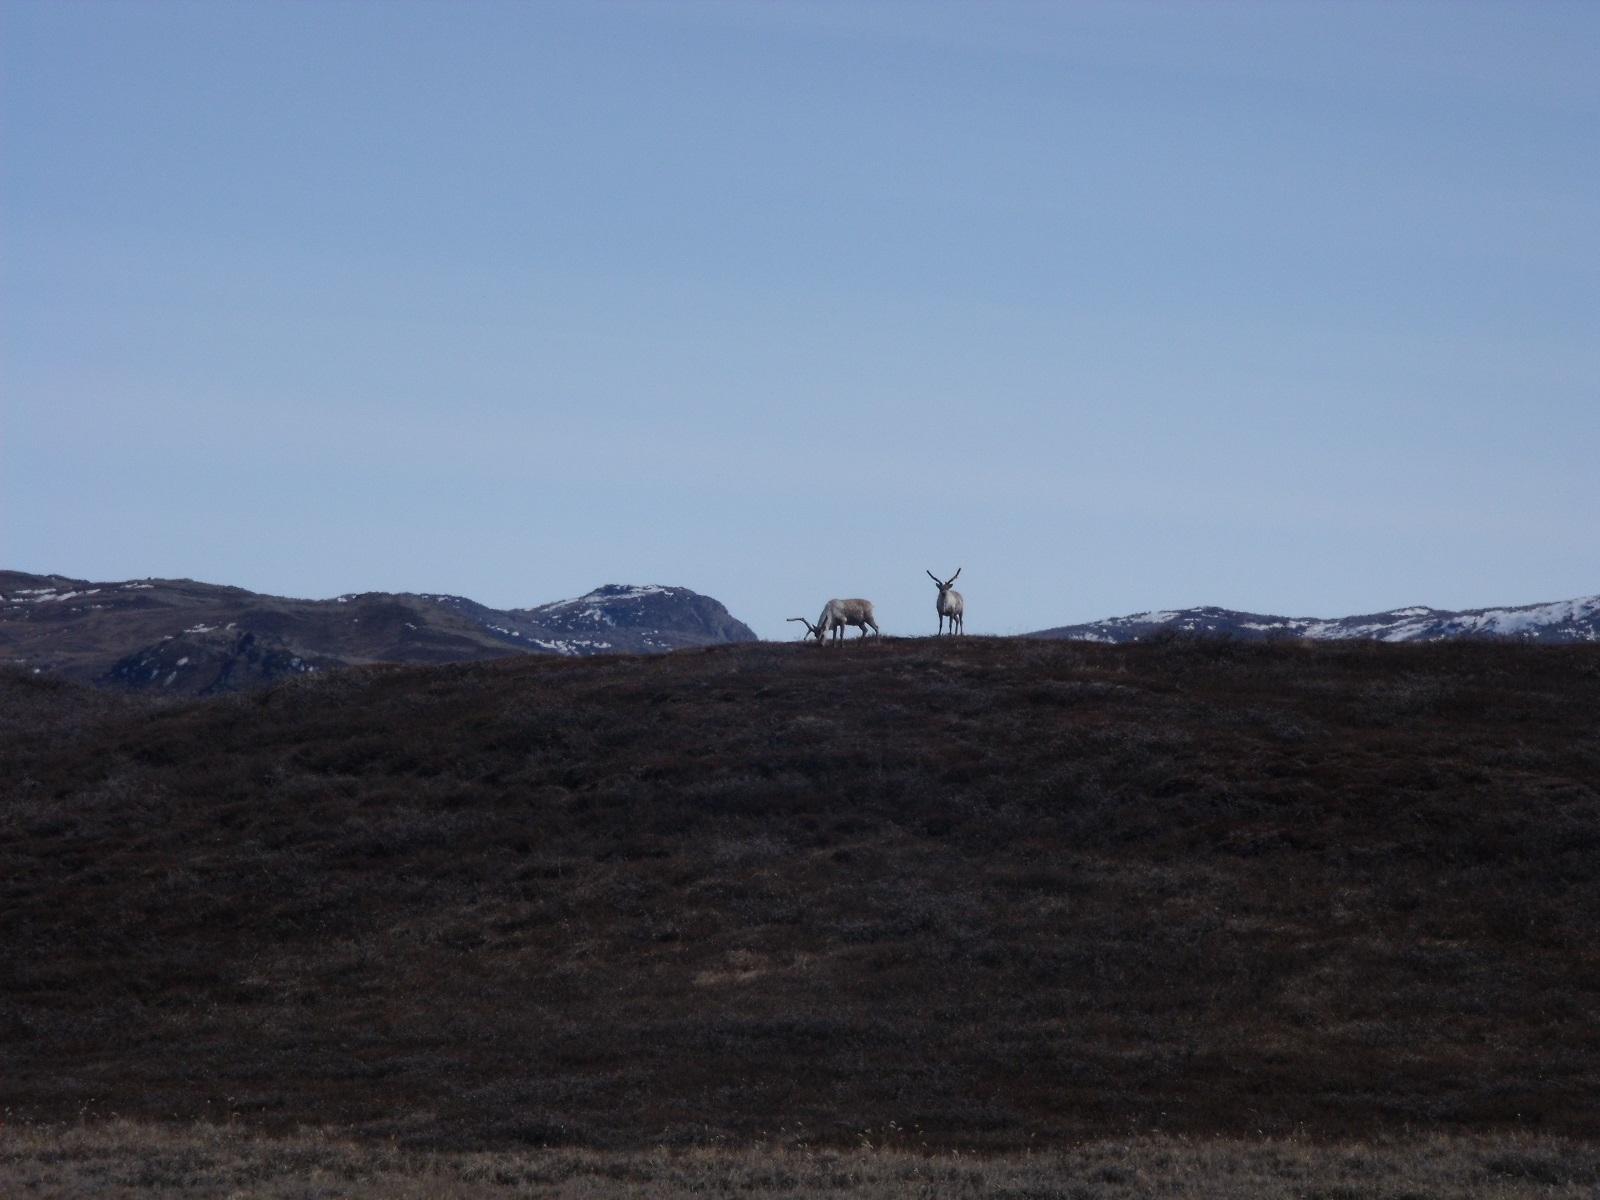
<point x="1284" y="307"/>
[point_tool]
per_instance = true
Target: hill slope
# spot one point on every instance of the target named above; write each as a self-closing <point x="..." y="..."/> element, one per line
<point x="1562" y="622"/>
<point x="999" y="891"/>
<point x="180" y="636"/>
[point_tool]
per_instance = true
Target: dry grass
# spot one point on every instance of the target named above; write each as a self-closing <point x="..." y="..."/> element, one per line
<point x="121" y="1158"/>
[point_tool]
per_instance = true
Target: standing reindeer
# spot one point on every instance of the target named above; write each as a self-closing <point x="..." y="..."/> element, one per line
<point x="950" y="604"/>
<point x="836" y="614"/>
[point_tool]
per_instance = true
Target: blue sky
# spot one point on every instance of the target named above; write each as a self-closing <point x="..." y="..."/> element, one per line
<point x="1284" y="307"/>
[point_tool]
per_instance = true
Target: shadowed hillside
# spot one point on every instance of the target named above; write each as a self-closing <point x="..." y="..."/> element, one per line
<point x="998" y="892"/>
<point x="179" y="636"/>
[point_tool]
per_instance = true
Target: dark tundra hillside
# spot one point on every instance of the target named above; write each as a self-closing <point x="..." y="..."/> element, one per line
<point x="175" y="635"/>
<point x="996" y="892"/>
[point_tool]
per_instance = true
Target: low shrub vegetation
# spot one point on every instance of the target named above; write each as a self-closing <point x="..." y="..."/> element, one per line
<point x="1003" y="893"/>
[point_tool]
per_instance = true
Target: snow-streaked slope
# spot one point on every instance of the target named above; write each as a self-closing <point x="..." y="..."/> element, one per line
<point x="616" y="617"/>
<point x="1562" y="621"/>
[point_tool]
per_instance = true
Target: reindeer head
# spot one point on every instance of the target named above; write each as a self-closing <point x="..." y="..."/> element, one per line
<point x="811" y="630"/>
<point x="944" y="585"/>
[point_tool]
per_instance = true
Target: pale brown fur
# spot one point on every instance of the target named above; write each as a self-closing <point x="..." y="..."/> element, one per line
<point x="950" y="605"/>
<point x="836" y="614"/>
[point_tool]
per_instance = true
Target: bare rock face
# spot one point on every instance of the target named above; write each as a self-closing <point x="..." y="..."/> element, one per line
<point x="215" y="660"/>
<point x="179" y="636"/>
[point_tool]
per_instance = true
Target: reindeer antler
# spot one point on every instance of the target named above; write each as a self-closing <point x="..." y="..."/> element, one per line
<point x="811" y="630"/>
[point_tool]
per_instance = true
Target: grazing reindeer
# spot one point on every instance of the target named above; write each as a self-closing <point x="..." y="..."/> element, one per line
<point x="950" y="604"/>
<point x="836" y="614"/>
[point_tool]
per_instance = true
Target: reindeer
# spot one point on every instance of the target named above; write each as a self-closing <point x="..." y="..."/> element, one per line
<point x="836" y="614"/>
<point x="950" y="604"/>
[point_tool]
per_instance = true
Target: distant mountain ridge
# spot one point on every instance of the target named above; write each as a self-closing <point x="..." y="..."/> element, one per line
<point x="1562" y="621"/>
<point x="176" y="635"/>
